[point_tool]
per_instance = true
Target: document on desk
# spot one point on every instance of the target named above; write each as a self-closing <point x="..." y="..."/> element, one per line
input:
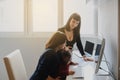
<point x="79" y="73"/>
<point x="80" y="68"/>
<point x="77" y="53"/>
<point x="77" y="59"/>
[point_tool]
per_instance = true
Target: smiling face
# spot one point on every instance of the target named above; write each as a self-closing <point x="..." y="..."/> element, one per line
<point x="73" y="23"/>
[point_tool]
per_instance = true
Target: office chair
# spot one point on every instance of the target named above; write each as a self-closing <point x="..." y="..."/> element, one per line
<point x="15" y="66"/>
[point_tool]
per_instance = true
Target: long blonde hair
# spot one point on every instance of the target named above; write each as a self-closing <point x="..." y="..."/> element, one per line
<point x="57" y="39"/>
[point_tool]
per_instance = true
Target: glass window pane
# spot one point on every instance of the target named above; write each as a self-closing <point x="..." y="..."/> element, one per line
<point x="12" y="16"/>
<point x="79" y="6"/>
<point x="45" y="14"/>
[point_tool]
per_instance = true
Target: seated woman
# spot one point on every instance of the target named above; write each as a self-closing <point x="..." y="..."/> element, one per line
<point x="48" y="65"/>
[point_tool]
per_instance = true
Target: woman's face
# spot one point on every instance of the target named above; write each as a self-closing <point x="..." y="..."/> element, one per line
<point x="62" y="46"/>
<point x="73" y="23"/>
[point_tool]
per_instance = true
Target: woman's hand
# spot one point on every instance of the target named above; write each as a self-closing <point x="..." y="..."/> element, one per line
<point x="58" y="78"/>
<point x="90" y="59"/>
<point x="72" y="63"/>
<point x="87" y="58"/>
<point x="71" y="72"/>
<point x="50" y="78"/>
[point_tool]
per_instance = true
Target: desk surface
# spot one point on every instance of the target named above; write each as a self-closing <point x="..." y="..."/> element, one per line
<point x="88" y="69"/>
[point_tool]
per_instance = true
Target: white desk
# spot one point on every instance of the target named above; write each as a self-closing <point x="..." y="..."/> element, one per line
<point x="88" y="69"/>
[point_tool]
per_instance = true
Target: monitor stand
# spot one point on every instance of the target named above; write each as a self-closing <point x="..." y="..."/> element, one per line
<point x="105" y="71"/>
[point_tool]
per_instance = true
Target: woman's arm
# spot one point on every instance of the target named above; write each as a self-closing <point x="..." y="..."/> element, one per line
<point x="79" y="45"/>
<point x="52" y="65"/>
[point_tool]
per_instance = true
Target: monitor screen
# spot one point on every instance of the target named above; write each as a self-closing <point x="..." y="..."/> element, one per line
<point x="89" y="46"/>
<point x="100" y="56"/>
<point x="97" y="51"/>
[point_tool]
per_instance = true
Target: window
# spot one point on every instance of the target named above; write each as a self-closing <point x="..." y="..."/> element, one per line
<point x="12" y="16"/>
<point x="42" y="16"/>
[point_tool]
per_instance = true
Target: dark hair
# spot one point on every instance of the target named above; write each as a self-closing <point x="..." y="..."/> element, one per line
<point x="57" y="39"/>
<point x="66" y="54"/>
<point x="63" y="54"/>
<point x="76" y="17"/>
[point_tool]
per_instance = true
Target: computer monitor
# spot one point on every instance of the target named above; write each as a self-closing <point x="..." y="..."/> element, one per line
<point x="89" y="46"/>
<point x="97" y="50"/>
<point x="100" y="55"/>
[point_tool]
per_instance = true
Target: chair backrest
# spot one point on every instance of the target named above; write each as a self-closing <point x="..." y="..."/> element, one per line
<point x="15" y="66"/>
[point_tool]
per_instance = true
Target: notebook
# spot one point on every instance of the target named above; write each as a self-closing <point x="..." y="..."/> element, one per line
<point x="89" y="46"/>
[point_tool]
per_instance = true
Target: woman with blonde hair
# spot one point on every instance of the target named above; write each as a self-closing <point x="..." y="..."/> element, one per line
<point x="48" y="65"/>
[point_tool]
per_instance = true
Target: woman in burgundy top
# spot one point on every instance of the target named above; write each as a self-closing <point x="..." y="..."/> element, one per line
<point x="64" y="57"/>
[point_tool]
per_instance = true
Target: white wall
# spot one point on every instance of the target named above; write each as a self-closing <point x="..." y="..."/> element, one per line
<point x="108" y="28"/>
<point x="31" y="49"/>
